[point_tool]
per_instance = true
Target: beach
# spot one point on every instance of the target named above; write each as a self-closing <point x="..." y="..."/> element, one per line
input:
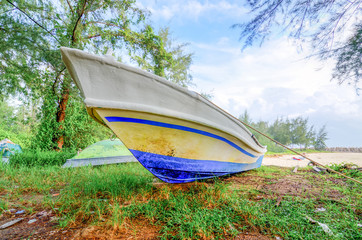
<point x="322" y="158"/>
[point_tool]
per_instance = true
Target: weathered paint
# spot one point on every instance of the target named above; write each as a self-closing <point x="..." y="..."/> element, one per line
<point x="179" y="151"/>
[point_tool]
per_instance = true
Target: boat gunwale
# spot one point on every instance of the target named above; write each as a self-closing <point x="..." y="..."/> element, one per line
<point x="141" y="108"/>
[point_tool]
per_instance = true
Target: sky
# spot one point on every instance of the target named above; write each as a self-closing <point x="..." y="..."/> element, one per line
<point x="274" y="80"/>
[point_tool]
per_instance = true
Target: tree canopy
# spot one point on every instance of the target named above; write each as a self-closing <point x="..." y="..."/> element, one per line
<point x="290" y="132"/>
<point x="334" y="29"/>
<point x="31" y="67"/>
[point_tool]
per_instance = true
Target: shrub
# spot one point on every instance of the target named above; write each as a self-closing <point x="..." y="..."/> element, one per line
<point x="40" y="158"/>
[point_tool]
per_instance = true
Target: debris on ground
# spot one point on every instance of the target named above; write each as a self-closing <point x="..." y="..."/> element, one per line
<point x="32" y="221"/>
<point x="317" y="169"/>
<point x="324" y="226"/>
<point x="11" y="210"/>
<point x="11" y="223"/>
<point x="320" y="209"/>
<point x="20" y="212"/>
<point x="295" y="169"/>
<point x="279" y="201"/>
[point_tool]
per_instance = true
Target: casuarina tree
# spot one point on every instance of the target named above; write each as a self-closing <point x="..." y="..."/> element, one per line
<point x="30" y="62"/>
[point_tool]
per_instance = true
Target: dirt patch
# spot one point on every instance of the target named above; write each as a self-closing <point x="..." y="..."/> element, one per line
<point x="296" y="185"/>
<point x="44" y="227"/>
<point x="136" y="229"/>
<point x="252" y="236"/>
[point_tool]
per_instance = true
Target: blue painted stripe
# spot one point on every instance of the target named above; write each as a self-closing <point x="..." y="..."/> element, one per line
<point x="178" y="127"/>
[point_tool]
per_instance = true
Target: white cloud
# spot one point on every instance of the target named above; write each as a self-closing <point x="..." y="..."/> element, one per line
<point x="271" y="81"/>
<point x="275" y="81"/>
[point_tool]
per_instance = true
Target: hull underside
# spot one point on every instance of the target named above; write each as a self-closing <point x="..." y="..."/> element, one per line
<point x="181" y="170"/>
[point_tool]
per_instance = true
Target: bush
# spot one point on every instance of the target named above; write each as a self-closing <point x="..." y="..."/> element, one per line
<point x="40" y="158"/>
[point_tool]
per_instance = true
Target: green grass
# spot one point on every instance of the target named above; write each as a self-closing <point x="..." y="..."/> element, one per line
<point x="38" y="157"/>
<point x="213" y="209"/>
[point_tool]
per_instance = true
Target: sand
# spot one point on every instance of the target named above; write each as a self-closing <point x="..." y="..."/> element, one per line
<point x="322" y="158"/>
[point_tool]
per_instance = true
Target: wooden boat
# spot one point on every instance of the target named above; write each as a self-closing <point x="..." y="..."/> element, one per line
<point x="176" y="134"/>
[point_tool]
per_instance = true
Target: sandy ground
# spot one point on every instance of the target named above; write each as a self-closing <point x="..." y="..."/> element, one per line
<point x="322" y="158"/>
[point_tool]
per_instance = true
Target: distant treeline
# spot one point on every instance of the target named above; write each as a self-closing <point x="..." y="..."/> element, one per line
<point x="345" y="149"/>
<point x="295" y="133"/>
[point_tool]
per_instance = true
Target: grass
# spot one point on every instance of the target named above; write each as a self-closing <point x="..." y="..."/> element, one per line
<point x="122" y="196"/>
<point x="38" y="157"/>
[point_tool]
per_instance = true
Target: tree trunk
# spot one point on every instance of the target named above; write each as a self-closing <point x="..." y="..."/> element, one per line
<point x="60" y="118"/>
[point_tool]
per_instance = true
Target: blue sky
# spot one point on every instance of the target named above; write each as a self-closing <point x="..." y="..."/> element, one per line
<point x="274" y="80"/>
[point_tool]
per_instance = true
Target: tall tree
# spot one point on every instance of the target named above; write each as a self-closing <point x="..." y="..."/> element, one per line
<point x="179" y="70"/>
<point x="299" y="130"/>
<point x="320" y="139"/>
<point x="324" y="23"/>
<point x="32" y="32"/>
<point x="245" y="117"/>
<point x="281" y="131"/>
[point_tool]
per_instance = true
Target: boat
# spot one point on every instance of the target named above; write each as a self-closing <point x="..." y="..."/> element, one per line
<point x="175" y="133"/>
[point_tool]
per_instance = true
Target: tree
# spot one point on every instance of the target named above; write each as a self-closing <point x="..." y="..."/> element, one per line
<point x="32" y="32"/>
<point x="15" y="123"/>
<point x="281" y="131"/>
<point x="245" y="117"/>
<point x="324" y="23"/>
<point x="299" y="130"/>
<point x="320" y="139"/>
<point x="179" y="70"/>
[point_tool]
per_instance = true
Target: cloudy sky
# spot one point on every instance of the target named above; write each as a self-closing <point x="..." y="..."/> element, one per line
<point x="274" y="80"/>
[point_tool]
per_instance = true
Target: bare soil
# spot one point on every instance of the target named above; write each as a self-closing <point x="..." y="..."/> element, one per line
<point x="45" y="227"/>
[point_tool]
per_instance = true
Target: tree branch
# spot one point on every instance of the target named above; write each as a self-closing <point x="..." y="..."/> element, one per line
<point x="56" y="80"/>
<point x="77" y="22"/>
<point x="32" y="20"/>
<point x="70" y="6"/>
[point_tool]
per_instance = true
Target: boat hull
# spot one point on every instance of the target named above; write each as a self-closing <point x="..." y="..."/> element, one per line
<point x="178" y="135"/>
<point x="178" y="151"/>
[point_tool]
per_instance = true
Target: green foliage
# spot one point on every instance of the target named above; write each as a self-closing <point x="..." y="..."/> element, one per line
<point x="347" y="169"/>
<point x="299" y="131"/>
<point x="245" y="117"/>
<point x="37" y="157"/>
<point x="281" y="131"/>
<point x="16" y="124"/>
<point x="289" y="132"/>
<point x="349" y="60"/>
<point x="79" y="130"/>
<point x="31" y="65"/>
<point x="178" y="70"/>
<point x="320" y="139"/>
